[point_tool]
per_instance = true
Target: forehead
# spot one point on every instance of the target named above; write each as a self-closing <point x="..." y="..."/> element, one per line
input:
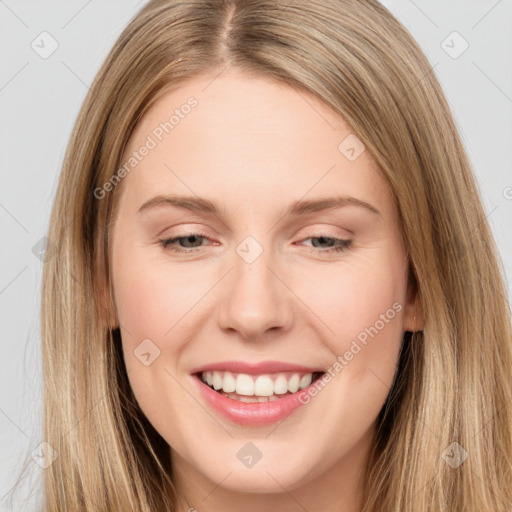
<point x="247" y="140"/>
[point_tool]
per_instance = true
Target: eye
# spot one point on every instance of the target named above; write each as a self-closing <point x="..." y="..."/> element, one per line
<point x="334" y="244"/>
<point x="190" y="238"/>
<point x="192" y="242"/>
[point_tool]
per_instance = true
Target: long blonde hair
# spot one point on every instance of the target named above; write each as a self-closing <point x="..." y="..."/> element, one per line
<point x="454" y="378"/>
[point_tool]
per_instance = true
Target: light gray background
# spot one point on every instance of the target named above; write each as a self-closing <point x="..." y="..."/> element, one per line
<point x="39" y="101"/>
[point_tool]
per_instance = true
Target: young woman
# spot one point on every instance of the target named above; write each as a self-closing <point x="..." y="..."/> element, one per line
<point x="275" y="285"/>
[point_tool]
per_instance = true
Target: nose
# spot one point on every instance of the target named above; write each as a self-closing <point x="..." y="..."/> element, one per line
<point x="255" y="300"/>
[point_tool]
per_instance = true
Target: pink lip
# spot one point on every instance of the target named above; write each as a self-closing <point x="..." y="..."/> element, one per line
<point x="256" y="414"/>
<point x="252" y="414"/>
<point x="255" y="368"/>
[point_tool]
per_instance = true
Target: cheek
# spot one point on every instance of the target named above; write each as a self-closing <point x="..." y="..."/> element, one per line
<point x="362" y="309"/>
<point x="151" y="303"/>
<point x="151" y="298"/>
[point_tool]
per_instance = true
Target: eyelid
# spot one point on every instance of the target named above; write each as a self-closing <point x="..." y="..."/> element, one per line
<point x="320" y="231"/>
<point x="193" y="229"/>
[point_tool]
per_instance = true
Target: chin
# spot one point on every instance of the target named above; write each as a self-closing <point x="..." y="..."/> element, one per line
<point x="262" y="478"/>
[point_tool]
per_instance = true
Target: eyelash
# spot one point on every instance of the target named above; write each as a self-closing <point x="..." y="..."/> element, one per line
<point x="343" y="245"/>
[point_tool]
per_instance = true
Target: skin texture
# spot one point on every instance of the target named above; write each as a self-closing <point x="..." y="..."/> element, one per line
<point x="254" y="146"/>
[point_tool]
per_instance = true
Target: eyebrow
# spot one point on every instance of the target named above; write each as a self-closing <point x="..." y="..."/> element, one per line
<point x="201" y="205"/>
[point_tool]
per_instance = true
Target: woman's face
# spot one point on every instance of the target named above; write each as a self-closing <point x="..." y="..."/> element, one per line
<point x="257" y="281"/>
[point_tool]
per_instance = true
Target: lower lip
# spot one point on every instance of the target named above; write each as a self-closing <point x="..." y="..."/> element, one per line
<point x="254" y="414"/>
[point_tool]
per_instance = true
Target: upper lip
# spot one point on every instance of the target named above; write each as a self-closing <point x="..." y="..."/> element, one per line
<point x="262" y="367"/>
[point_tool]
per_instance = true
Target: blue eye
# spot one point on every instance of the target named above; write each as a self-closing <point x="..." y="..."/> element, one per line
<point x="334" y="245"/>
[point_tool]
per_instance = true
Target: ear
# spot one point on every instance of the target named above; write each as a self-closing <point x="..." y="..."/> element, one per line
<point x="106" y="307"/>
<point x="413" y="312"/>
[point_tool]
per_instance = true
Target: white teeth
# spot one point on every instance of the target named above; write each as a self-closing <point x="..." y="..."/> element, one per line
<point x="262" y="386"/>
<point x="281" y="385"/>
<point x="306" y="381"/>
<point x="216" y="381"/>
<point x="246" y="399"/>
<point x="228" y="383"/>
<point x="244" y="384"/>
<point x="293" y="383"/>
<point x="250" y="399"/>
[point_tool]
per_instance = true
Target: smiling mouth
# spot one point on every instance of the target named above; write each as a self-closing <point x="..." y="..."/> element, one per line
<point x="247" y="388"/>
